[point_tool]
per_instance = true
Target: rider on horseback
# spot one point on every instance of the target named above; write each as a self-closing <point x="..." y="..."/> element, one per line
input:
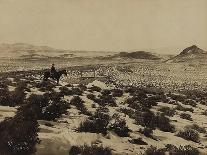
<point x="52" y="71"/>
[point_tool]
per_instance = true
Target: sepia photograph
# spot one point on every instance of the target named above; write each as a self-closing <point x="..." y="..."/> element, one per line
<point x="103" y="77"/>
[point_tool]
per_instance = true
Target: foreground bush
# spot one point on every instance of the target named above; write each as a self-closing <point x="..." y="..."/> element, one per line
<point x="167" y="111"/>
<point x="89" y="150"/>
<point x="146" y="119"/>
<point x="154" y="151"/>
<point x="97" y="123"/>
<point x="128" y="111"/>
<point x="182" y="150"/>
<point x="117" y="93"/>
<point x="48" y="107"/>
<point x="152" y="121"/>
<point x="65" y="91"/>
<point x="197" y="128"/>
<point x="163" y="123"/>
<point x="19" y="134"/>
<point x="45" y="86"/>
<point x="120" y="128"/>
<point x="189" y="134"/>
<point x="186" y="116"/>
<point x="147" y="132"/>
<point x="54" y="110"/>
<point x="13" y="98"/>
<point x="78" y="102"/>
<point x="181" y="108"/>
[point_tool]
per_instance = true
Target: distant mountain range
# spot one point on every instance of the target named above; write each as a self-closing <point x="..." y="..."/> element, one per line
<point x="28" y="51"/>
<point x="31" y="52"/>
<point x="192" y="53"/>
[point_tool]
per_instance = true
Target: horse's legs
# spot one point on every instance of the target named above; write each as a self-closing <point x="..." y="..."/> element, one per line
<point x="58" y="81"/>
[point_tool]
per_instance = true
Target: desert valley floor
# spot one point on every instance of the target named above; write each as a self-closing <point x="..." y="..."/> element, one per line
<point x="143" y="107"/>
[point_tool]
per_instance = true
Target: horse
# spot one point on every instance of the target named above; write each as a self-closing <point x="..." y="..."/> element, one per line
<point x="56" y="76"/>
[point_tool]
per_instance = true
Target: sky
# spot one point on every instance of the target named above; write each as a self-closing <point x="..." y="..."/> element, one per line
<point x="162" y="26"/>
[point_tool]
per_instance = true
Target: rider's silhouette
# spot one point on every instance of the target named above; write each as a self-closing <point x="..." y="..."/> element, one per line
<point x="53" y="70"/>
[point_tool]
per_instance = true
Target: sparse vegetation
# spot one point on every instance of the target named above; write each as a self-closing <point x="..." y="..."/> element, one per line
<point x="182" y="150"/>
<point x="186" y="116"/>
<point x="167" y="111"/>
<point x="181" y="108"/>
<point x="78" y="102"/>
<point x="189" y="134"/>
<point x="154" y="151"/>
<point x="90" y="150"/>
<point x="120" y="127"/>
<point x="117" y="93"/>
<point x="96" y="123"/>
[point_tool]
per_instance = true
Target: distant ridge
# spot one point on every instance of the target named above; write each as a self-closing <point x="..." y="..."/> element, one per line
<point x="192" y="53"/>
<point x="136" y="55"/>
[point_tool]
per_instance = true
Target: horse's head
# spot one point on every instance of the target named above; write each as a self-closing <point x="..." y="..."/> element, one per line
<point x="64" y="72"/>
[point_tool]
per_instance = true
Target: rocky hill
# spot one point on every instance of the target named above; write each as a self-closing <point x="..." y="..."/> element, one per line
<point x="192" y="53"/>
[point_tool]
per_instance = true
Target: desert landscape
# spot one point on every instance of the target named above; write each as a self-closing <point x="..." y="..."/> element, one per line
<point x="136" y="103"/>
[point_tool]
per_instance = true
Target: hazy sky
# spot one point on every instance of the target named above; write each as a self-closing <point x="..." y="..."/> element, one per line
<point x="115" y="25"/>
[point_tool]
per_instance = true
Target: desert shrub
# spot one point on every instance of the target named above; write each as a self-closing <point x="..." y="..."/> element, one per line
<point x="190" y="102"/>
<point x="146" y="119"/>
<point x="82" y="87"/>
<point x="197" y="128"/>
<point x="19" y="134"/>
<point x="203" y="102"/>
<point x="177" y="97"/>
<point x="3" y="84"/>
<point x="89" y="150"/>
<point x="131" y="90"/>
<point x="53" y="96"/>
<point x="106" y="92"/>
<point x="65" y="90"/>
<point x="181" y="108"/>
<point x="154" y="151"/>
<point x="79" y="103"/>
<point x="46" y="107"/>
<point x="142" y="104"/>
<point x="117" y="93"/>
<point x="152" y="90"/>
<point x="182" y="150"/>
<point x="93" y="105"/>
<point x="120" y="127"/>
<point x="151" y="101"/>
<point x="189" y="134"/>
<point x="16" y="97"/>
<point x="167" y="111"/>
<point x="69" y="85"/>
<point x="186" y="116"/>
<point x="104" y="100"/>
<point x="76" y="91"/>
<point x="97" y="123"/>
<point x="205" y="113"/>
<point x="146" y="131"/>
<point x="91" y="96"/>
<point x="127" y="111"/>
<point x="54" y="110"/>
<point x="163" y="123"/>
<point x="138" y="141"/>
<point x="95" y="88"/>
<point x="157" y="98"/>
<point x="45" y="86"/>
